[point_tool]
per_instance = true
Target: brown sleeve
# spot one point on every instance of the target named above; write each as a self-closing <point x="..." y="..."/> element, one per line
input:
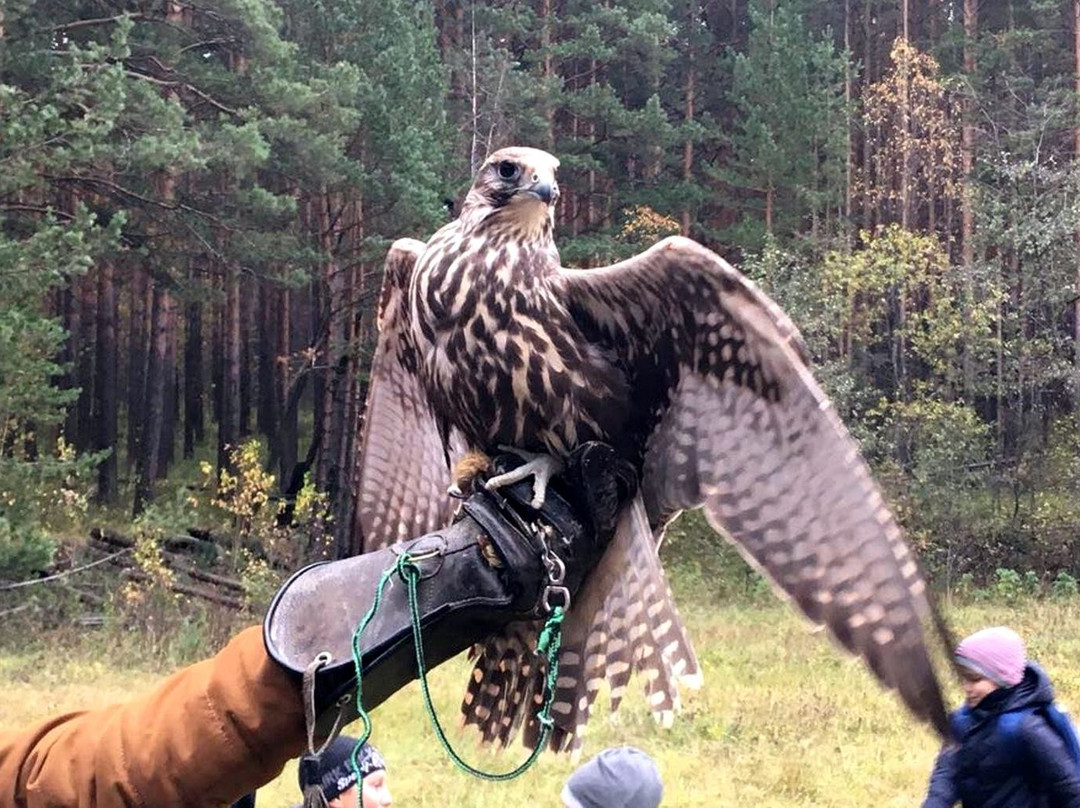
<point x="205" y="736"/>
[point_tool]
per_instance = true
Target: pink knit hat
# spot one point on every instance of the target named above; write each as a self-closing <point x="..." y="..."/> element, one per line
<point x="997" y="653"/>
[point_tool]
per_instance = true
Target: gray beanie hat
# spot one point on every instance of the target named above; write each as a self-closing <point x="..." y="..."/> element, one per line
<point x="620" y="777"/>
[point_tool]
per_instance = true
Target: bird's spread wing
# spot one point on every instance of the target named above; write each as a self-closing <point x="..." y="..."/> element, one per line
<point x="403" y="467"/>
<point x="737" y="425"/>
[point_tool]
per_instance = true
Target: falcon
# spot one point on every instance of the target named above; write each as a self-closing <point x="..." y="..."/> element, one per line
<point x="697" y="378"/>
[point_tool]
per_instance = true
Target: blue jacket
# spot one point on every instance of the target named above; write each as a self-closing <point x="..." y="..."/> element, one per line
<point x="981" y="773"/>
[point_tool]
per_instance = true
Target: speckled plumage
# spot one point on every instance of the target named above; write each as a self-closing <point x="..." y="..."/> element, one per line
<point x="695" y="376"/>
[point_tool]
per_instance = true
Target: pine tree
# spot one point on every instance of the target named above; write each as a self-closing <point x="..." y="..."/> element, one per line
<point x="789" y="139"/>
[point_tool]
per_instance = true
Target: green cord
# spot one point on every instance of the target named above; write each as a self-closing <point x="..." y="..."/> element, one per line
<point x="547" y="644"/>
<point x="358" y="666"/>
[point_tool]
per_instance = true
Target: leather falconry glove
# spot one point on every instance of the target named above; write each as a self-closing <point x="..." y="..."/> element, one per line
<point x="501" y="561"/>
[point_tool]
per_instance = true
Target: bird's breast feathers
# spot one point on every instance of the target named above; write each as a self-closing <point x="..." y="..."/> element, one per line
<point x="496" y="344"/>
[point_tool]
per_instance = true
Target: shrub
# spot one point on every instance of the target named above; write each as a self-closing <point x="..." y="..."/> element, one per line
<point x="1008" y="585"/>
<point x="1031" y="584"/>
<point x="24" y="548"/>
<point x="39" y="493"/>
<point x="259" y="553"/>
<point x="1064" y="586"/>
<point x="267" y="547"/>
<point x="965" y="586"/>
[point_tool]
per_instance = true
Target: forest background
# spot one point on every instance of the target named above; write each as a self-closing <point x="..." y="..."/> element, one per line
<point x="195" y="198"/>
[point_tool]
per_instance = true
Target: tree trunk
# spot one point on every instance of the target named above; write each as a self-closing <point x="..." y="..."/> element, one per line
<point x="61" y="305"/>
<point x="849" y="158"/>
<point x="769" y="192"/>
<point x="265" y="346"/>
<point x="688" y="145"/>
<point x="868" y="79"/>
<point x="105" y="389"/>
<point x="229" y="426"/>
<point x="156" y="452"/>
<point x="545" y="72"/>
<point x="150" y="448"/>
<point x="1076" y="158"/>
<point x="86" y="301"/>
<point x="905" y="130"/>
<point x="571" y="200"/>
<point x="194" y="416"/>
<point x="139" y="335"/>
<point x="967" y="214"/>
<point x="246" y="314"/>
<point x="169" y="408"/>
<point x="590" y="205"/>
<point x="81" y="324"/>
<point x="331" y="473"/>
<point x="1014" y="421"/>
<point x="73" y="326"/>
<point x="475" y="157"/>
<point x="217" y="343"/>
<point x="320" y="327"/>
<point x="318" y="323"/>
<point x="449" y="14"/>
<point x="287" y="425"/>
<point x="349" y="404"/>
<point x="999" y="360"/>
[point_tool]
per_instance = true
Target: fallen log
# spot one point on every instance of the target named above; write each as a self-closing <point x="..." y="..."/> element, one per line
<point x="233" y="600"/>
<point x="193" y="541"/>
<point x="105" y="542"/>
<point x="185" y="589"/>
<point x="93" y="598"/>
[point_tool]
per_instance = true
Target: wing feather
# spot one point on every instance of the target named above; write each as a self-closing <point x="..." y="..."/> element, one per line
<point x="736" y="424"/>
<point x="404" y="470"/>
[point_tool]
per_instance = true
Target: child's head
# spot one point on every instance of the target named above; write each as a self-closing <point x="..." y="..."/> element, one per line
<point x="620" y="777"/>
<point x="989" y="659"/>
<point x="336" y="777"/>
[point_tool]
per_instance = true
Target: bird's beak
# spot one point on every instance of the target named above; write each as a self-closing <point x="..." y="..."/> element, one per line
<point x="546" y="192"/>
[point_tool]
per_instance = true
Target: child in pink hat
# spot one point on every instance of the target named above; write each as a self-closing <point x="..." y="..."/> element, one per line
<point x="1006" y="753"/>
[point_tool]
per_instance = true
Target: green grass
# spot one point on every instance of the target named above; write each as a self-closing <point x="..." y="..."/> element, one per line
<point x="783" y="720"/>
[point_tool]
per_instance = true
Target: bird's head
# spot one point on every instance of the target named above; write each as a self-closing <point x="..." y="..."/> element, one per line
<point x="518" y="184"/>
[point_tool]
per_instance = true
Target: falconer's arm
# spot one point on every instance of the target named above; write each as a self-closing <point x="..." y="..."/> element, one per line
<point x="207" y="734"/>
<point x="225" y="726"/>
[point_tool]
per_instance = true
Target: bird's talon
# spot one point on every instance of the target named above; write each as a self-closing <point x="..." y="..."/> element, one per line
<point x="540" y="467"/>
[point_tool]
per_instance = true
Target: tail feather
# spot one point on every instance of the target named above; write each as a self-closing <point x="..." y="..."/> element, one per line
<point x="501" y="675"/>
<point x="623" y="622"/>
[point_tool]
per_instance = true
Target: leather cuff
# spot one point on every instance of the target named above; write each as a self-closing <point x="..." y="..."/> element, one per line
<point x="501" y="561"/>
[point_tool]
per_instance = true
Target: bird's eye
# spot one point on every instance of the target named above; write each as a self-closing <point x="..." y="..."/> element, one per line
<point x="508" y="170"/>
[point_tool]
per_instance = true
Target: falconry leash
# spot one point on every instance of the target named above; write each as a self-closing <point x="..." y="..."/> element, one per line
<point x="353" y="638"/>
<point x="554" y="601"/>
<point x="547" y="646"/>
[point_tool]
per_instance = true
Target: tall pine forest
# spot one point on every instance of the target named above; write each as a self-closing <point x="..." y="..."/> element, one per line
<point x="196" y="197"/>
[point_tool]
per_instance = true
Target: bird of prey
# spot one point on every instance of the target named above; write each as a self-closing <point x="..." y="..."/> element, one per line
<point x="695" y="376"/>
